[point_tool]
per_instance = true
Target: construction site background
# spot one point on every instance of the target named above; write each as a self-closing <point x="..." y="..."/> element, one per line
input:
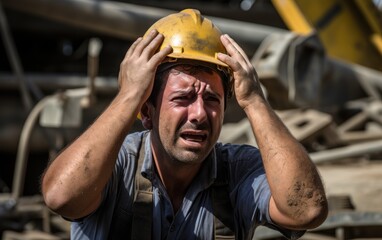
<point x="319" y="62"/>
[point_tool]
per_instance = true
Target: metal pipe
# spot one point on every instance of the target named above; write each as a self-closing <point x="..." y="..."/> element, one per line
<point x="94" y="48"/>
<point x="122" y="20"/>
<point x="354" y="150"/>
<point x="129" y="21"/>
<point x="23" y="149"/>
<point x="14" y="60"/>
<point x="54" y="82"/>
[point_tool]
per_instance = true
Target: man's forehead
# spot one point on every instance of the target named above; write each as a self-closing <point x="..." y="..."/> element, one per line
<point x="188" y="65"/>
<point x="180" y="73"/>
<point x="182" y="82"/>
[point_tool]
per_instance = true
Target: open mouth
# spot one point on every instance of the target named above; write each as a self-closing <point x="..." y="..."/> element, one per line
<point x="194" y="136"/>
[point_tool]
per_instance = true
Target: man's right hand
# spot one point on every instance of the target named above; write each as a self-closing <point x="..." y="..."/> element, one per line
<point x="73" y="183"/>
<point x="137" y="70"/>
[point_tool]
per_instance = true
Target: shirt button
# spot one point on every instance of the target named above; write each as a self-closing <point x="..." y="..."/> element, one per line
<point x="172" y="228"/>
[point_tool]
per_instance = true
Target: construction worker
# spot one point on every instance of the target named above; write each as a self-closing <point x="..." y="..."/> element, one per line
<point x="174" y="181"/>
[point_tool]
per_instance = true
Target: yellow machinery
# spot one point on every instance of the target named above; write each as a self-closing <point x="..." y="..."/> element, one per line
<point x="350" y="30"/>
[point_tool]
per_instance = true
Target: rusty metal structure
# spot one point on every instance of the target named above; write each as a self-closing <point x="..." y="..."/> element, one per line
<point x="319" y="65"/>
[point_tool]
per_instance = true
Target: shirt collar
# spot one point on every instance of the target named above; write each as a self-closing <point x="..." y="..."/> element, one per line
<point x="207" y="173"/>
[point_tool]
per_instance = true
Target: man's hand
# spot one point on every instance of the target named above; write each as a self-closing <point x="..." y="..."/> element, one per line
<point x="298" y="197"/>
<point x="137" y="70"/>
<point x="246" y="83"/>
<point x="72" y="185"/>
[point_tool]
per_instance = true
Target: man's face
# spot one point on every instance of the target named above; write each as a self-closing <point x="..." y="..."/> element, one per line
<point x="188" y="115"/>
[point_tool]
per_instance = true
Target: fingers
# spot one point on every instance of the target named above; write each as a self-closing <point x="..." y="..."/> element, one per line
<point x="132" y="47"/>
<point x="145" y="46"/>
<point x="236" y="46"/>
<point x="142" y="59"/>
<point x="151" y="44"/>
<point x="161" y="55"/>
<point x="235" y="51"/>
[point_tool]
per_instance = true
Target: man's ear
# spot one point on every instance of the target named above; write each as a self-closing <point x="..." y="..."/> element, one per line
<point x="146" y="115"/>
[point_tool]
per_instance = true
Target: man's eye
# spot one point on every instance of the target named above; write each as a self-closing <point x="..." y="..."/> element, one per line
<point x="181" y="99"/>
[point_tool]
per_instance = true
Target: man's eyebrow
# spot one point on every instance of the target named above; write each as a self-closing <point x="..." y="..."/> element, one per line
<point x="209" y="92"/>
<point x="181" y="92"/>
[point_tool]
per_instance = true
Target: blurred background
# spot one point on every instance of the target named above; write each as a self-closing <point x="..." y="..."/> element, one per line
<point x="319" y="63"/>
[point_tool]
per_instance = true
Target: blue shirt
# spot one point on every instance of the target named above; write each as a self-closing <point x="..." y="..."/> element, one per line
<point x="248" y="190"/>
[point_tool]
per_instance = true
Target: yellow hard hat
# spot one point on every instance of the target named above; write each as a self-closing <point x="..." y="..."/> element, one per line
<point x="191" y="36"/>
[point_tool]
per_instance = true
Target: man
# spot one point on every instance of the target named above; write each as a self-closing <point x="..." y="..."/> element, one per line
<point x="178" y="77"/>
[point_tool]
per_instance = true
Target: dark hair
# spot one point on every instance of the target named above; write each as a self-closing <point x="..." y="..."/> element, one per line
<point x="164" y="70"/>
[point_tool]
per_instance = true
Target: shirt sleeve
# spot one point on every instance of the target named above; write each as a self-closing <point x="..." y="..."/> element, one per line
<point x="250" y="192"/>
<point x="116" y="199"/>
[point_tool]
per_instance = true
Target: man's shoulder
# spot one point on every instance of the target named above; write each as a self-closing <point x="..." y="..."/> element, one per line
<point x="133" y="141"/>
<point x="235" y="152"/>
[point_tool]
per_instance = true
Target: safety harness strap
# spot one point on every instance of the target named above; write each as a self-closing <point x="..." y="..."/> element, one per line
<point x="221" y="203"/>
<point x="143" y="203"/>
<point x="143" y="199"/>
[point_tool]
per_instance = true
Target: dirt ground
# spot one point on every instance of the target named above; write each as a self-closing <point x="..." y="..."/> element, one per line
<point x="360" y="180"/>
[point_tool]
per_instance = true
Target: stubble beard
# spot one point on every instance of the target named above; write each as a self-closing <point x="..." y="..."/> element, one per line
<point x="187" y="156"/>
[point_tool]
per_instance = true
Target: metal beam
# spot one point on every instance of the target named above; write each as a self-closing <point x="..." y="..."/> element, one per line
<point x="351" y="151"/>
<point x="129" y="21"/>
<point x="54" y="82"/>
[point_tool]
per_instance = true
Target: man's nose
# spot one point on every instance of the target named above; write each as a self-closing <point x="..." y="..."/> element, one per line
<point x="196" y="111"/>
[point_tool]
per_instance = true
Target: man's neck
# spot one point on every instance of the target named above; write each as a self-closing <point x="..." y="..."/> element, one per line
<point x="176" y="178"/>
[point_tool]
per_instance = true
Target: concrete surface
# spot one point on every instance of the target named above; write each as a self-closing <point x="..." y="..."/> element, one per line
<point x="361" y="180"/>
